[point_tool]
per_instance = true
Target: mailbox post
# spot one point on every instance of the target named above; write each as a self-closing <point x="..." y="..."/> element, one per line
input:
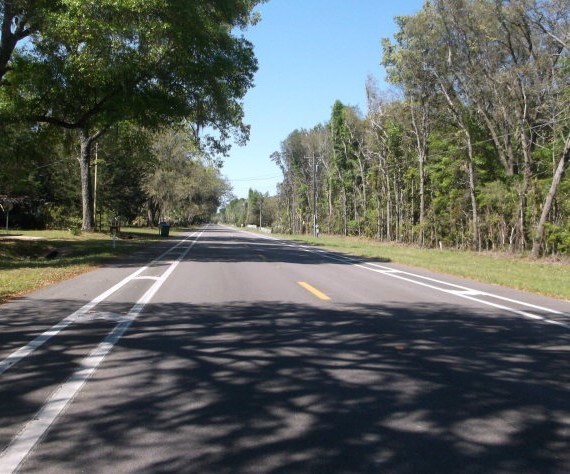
<point x="7" y="207"/>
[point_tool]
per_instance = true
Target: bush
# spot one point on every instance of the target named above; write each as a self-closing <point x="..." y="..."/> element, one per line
<point x="59" y="217"/>
<point x="557" y="239"/>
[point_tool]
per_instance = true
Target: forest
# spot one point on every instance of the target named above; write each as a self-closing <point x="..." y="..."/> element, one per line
<point x="468" y="150"/>
<point x="124" y="109"/>
<point x="119" y="109"/>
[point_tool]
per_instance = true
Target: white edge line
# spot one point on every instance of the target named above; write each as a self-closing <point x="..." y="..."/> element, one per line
<point x="39" y="340"/>
<point x="466" y="296"/>
<point x="35" y="429"/>
<point x="398" y="274"/>
<point x="465" y="288"/>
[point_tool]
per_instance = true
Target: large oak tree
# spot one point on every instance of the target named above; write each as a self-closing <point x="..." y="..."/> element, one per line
<point x="93" y="64"/>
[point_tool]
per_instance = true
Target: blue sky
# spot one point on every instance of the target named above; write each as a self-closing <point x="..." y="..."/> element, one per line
<point x="310" y="53"/>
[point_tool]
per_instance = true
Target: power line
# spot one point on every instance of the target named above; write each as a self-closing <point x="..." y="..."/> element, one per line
<point x="257" y="178"/>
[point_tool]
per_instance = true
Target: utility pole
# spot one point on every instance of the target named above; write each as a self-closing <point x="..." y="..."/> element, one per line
<point x="95" y="190"/>
<point x="315" y="233"/>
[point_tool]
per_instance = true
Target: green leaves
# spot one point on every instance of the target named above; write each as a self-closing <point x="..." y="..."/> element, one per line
<point x="180" y="184"/>
<point x="153" y="61"/>
<point x="93" y="64"/>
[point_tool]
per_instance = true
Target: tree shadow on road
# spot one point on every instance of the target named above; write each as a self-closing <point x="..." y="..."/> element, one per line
<point x="277" y="388"/>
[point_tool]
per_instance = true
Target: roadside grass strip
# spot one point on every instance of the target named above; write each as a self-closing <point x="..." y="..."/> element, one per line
<point x="31" y="260"/>
<point x="35" y="429"/>
<point x="29" y="348"/>
<point x="460" y="291"/>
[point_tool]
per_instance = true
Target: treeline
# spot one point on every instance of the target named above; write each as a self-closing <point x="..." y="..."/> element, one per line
<point x="139" y="177"/>
<point x="471" y="153"/>
<point x="124" y="89"/>
<point x="257" y="209"/>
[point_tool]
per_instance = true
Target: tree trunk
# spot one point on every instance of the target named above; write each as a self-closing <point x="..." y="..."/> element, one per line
<point x="86" y="188"/>
<point x="11" y="32"/>
<point x="420" y="127"/>
<point x="537" y="243"/>
<point x="345" y="211"/>
<point x="86" y="142"/>
<point x="421" y="160"/>
<point x="388" y="204"/>
<point x="149" y="217"/>
<point x="523" y="199"/>
<point x="474" y="214"/>
<point x="330" y="205"/>
<point x="153" y="211"/>
<point x="456" y="111"/>
<point x="378" y="218"/>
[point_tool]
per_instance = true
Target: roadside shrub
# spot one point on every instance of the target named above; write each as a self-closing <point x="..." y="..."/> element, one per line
<point x="557" y="239"/>
<point x="59" y="217"/>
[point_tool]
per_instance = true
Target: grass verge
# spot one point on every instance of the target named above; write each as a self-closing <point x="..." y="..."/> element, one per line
<point x="33" y="259"/>
<point x="551" y="278"/>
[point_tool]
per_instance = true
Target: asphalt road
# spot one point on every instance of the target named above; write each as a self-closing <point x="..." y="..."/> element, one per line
<point x="229" y="352"/>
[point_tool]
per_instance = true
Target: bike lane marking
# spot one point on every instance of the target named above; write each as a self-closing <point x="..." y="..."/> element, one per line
<point x="36" y="428"/>
<point x="24" y="351"/>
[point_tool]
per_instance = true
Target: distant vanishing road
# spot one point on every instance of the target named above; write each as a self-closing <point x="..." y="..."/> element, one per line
<point x="229" y="352"/>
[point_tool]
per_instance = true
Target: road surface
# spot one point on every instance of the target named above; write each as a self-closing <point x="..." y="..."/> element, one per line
<point x="229" y="352"/>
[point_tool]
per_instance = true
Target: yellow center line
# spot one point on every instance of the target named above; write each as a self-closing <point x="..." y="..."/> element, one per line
<point x="313" y="290"/>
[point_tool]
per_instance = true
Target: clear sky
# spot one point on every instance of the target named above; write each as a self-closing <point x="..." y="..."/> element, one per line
<point x="310" y="53"/>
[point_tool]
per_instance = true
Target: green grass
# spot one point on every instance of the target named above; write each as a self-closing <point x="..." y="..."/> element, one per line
<point x="551" y="278"/>
<point x="26" y="265"/>
<point x="23" y="266"/>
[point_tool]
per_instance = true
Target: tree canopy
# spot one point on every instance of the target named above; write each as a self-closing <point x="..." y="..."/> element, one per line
<point x="89" y="65"/>
<point x="471" y="151"/>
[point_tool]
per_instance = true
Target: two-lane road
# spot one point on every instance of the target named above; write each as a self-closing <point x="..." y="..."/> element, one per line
<point x="229" y="352"/>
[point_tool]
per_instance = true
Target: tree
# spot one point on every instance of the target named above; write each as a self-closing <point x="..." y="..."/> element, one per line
<point x="511" y="77"/>
<point x="234" y="212"/>
<point x="390" y="160"/>
<point x="18" y="20"/>
<point x="37" y="170"/>
<point x="255" y="201"/>
<point x="124" y="159"/>
<point x="407" y="67"/>
<point x="347" y="161"/>
<point x="561" y="148"/>
<point x="147" y="61"/>
<point x="488" y="64"/>
<point x="420" y="48"/>
<point x="181" y="188"/>
<point x="471" y="151"/>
